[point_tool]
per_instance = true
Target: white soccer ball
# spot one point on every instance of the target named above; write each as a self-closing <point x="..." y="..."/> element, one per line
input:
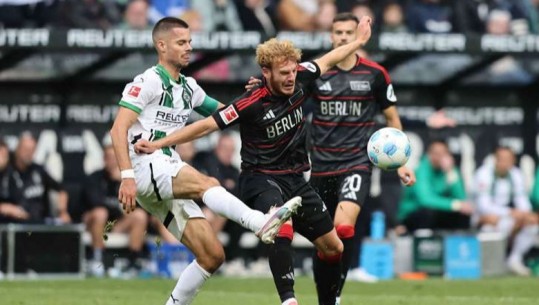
<point x="389" y="148"/>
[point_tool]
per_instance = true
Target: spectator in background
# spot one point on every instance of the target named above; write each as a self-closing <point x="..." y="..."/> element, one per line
<point x="257" y="15"/>
<point x="430" y="16"/>
<point x="504" y="206"/>
<point x="193" y="19"/>
<point x="535" y="192"/>
<point x="393" y="18"/>
<point x="9" y="211"/>
<point x="26" y="13"/>
<point x="217" y="15"/>
<point x="438" y="199"/>
<point x="471" y="15"/>
<point x="103" y="205"/>
<point x="362" y="8"/>
<point x="88" y="14"/>
<point x="219" y="165"/>
<point x="498" y="23"/>
<point x="30" y="186"/>
<point x="136" y="16"/>
<point x="303" y="15"/>
<point x="164" y="8"/>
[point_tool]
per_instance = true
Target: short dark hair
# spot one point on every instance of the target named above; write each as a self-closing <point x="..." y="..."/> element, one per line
<point x="438" y="141"/>
<point x="345" y="17"/>
<point x="166" y="24"/>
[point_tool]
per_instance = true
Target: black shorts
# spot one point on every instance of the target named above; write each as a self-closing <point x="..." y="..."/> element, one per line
<point x="261" y="192"/>
<point x="351" y="186"/>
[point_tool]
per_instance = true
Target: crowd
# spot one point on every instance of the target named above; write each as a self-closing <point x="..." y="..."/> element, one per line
<point x="497" y="201"/>
<point x="517" y="17"/>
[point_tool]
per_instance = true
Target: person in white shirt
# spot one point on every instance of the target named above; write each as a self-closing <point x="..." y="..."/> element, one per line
<point x="503" y="205"/>
<point x="159" y="102"/>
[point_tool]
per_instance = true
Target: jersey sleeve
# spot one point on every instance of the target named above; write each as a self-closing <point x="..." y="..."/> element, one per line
<point x="308" y="72"/>
<point x="203" y="104"/>
<point x="241" y="109"/>
<point x="139" y="93"/>
<point x="384" y="93"/>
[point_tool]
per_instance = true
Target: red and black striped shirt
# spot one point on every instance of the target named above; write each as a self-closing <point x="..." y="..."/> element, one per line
<point x="272" y="127"/>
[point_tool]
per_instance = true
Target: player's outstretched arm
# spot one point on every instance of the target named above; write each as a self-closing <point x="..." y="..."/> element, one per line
<point x="128" y="188"/>
<point x="184" y="135"/>
<point x="336" y="55"/>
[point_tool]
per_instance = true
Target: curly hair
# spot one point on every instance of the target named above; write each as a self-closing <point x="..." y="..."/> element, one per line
<point x="274" y="51"/>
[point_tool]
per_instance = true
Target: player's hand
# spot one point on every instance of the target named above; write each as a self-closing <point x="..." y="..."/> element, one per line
<point x="364" y="29"/>
<point x="145" y="147"/>
<point x="407" y="175"/>
<point x="253" y="82"/>
<point x="127" y="194"/>
<point x="13" y="211"/>
<point x="466" y="208"/>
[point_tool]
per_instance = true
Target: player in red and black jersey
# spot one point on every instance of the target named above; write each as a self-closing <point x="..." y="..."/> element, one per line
<point x="347" y="98"/>
<point x="274" y="155"/>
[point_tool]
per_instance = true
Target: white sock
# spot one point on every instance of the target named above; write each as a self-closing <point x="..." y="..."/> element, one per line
<point x="523" y="242"/>
<point x="98" y="255"/>
<point x="190" y="281"/>
<point x="226" y="204"/>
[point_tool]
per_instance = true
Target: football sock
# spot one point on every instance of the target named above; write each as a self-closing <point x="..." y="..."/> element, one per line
<point x="523" y="242"/>
<point x="281" y="262"/>
<point x="222" y="202"/>
<point x="327" y="276"/>
<point x="190" y="281"/>
<point x="98" y="255"/>
<point x="346" y="234"/>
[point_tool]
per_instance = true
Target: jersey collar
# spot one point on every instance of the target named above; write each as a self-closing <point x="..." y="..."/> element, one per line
<point x="167" y="78"/>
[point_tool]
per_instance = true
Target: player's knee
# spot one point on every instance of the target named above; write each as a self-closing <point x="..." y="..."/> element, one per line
<point x="140" y="216"/>
<point x="345" y="231"/>
<point x="100" y="215"/>
<point x="333" y="249"/>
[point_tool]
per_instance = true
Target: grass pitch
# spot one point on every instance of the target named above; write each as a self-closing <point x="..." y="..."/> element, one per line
<point x="235" y="291"/>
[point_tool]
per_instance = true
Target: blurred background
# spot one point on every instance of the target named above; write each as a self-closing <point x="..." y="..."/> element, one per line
<point x="465" y="72"/>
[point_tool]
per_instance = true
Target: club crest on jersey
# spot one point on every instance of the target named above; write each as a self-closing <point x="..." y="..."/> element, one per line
<point x="134" y="91"/>
<point x="357" y="85"/>
<point x="229" y="115"/>
<point x="186" y="96"/>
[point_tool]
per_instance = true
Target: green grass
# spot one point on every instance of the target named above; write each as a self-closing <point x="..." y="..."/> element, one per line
<point x="233" y="291"/>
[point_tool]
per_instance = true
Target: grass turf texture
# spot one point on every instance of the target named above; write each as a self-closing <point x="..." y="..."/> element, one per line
<point x="234" y="291"/>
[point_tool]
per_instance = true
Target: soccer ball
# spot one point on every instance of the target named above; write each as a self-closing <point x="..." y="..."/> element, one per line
<point x="389" y="148"/>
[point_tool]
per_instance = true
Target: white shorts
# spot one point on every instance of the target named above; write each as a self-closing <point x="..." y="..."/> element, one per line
<point x="154" y="193"/>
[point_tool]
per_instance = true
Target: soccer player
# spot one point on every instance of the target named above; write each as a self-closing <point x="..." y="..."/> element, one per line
<point x="347" y="98"/>
<point x="274" y="155"/>
<point x="158" y="102"/>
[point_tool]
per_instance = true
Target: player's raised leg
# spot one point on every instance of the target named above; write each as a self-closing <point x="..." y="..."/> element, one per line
<point x="190" y="183"/>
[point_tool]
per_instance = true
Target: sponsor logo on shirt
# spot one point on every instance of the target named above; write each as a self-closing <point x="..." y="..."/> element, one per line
<point x="358" y="85"/>
<point x="270" y="115"/>
<point x="229" y="115"/>
<point x="309" y="66"/>
<point x="134" y="91"/>
<point x="391" y="94"/>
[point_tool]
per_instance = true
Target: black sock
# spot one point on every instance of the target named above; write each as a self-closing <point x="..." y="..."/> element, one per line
<point x="281" y="262"/>
<point x="327" y="276"/>
<point x="346" y="261"/>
